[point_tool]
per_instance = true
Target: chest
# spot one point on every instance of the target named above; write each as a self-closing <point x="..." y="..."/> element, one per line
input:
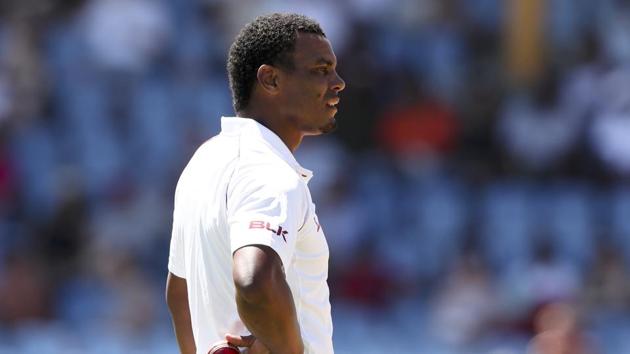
<point x="311" y="251"/>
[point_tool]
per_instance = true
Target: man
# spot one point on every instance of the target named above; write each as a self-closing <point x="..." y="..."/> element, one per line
<point x="248" y="260"/>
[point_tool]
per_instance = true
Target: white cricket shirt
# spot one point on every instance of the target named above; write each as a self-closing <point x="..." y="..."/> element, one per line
<point x="244" y="187"/>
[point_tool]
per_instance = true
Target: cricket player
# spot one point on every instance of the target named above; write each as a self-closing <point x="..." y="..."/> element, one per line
<point x="248" y="259"/>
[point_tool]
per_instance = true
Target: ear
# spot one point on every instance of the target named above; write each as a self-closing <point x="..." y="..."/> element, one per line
<point x="268" y="78"/>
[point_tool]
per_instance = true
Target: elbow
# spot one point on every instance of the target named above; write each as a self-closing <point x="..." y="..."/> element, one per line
<point x="254" y="286"/>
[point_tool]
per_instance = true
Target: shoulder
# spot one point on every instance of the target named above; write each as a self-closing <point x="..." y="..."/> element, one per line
<point x="271" y="174"/>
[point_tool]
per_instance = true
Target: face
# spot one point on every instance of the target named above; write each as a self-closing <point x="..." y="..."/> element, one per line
<point x="310" y="92"/>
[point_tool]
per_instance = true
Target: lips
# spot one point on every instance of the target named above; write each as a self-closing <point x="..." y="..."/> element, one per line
<point x="332" y="103"/>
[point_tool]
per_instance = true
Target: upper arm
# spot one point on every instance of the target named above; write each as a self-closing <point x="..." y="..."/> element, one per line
<point x="256" y="270"/>
<point x="177" y="301"/>
<point x="176" y="290"/>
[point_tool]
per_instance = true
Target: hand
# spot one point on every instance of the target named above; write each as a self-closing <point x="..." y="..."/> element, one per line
<point x="253" y="345"/>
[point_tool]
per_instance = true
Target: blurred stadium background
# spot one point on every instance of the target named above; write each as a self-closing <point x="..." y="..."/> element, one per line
<point x="476" y="196"/>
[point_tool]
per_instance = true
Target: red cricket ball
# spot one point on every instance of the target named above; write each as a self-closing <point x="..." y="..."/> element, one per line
<point x="224" y="348"/>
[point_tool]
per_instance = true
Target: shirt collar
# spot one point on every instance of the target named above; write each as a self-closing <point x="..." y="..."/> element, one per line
<point x="234" y="125"/>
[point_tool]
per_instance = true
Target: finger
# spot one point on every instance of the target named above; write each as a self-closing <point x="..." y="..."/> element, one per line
<point x="240" y="341"/>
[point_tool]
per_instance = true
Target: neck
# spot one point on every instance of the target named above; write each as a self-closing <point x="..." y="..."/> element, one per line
<point x="284" y="130"/>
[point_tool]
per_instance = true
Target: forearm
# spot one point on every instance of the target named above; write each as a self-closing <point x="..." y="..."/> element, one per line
<point x="265" y="305"/>
<point x="177" y="300"/>
<point x="273" y="321"/>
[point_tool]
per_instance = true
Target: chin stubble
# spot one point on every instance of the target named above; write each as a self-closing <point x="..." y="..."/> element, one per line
<point x="330" y="127"/>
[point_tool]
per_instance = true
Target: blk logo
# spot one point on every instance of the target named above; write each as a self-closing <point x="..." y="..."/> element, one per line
<point x="265" y="225"/>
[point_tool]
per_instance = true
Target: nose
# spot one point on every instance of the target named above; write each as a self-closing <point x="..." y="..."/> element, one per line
<point x="338" y="84"/>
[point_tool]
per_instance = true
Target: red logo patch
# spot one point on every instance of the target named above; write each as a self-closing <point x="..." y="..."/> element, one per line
<point x="257" y="224"/>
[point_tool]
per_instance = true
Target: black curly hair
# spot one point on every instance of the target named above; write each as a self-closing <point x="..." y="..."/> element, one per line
<point x="269" y="39"/>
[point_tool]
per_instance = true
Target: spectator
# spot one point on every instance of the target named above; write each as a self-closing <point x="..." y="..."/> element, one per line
<point x="558" y="332"/>
<point x="611" y="123"/>
<point x="418" y="127"/>
<point x="25" y="290"/>
<point x="545" y="279"/>
<point x="465" y="305"/>
<point x="607" y="286"/>
<point x="125" y="34"/>
<point x="537" y="129"/>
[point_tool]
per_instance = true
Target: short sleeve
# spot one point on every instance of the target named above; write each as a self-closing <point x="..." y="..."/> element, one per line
<point x="176" y="263"/>
<point x="266" y="209"/>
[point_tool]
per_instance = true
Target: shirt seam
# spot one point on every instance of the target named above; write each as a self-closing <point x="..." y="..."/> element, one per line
<point x="236" y="168"/>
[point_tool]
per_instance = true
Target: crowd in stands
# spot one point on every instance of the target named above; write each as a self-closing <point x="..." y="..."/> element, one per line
<point x="475" y="197"/>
